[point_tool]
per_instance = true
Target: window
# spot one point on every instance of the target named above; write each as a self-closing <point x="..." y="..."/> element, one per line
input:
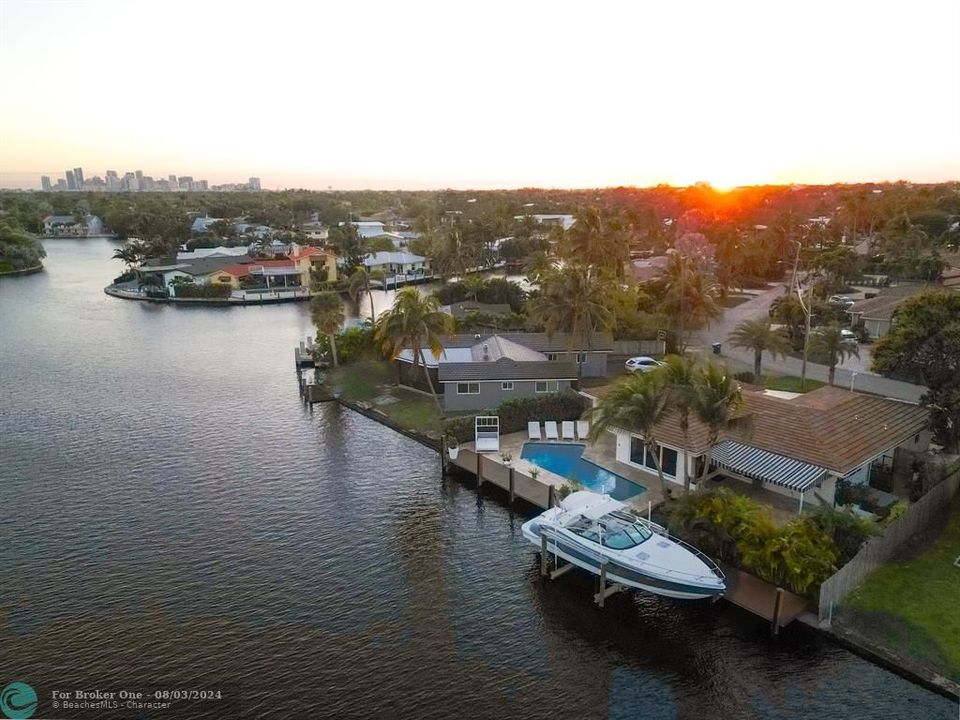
<point x="581" y="358"/>
<point x="468" y="388"/>
<point x="545" y="386"/>
<point x="551" y="356"/>
<point x="224" y="278"/>
<point x="506" y="385"/>
<point x="639" y="456"/>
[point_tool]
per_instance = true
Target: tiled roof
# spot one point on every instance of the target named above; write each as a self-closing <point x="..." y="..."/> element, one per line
<point x="506" y="369"/>
<point x="830" y="427"/>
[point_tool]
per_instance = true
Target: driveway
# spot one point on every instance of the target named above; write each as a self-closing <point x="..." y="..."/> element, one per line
<point x="853" y="374"/>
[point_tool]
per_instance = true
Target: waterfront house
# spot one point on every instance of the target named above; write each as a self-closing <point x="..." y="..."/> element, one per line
<point x="398" y="264"/>
<point x="70" y="226"/>
<point x="789" y="444"/>
<point x="321" y="260"/>
<point x="268" y="274"/>
<point x="475" y="372"/>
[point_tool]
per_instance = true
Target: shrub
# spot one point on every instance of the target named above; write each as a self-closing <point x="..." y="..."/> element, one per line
<point x="515" y="414"/>
<point x="847" y="530"/>
<point x="212" y="291"/>
<point x="745" y="377"/>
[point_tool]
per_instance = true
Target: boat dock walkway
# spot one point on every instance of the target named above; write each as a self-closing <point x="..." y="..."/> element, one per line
<point x="777" y="606"/>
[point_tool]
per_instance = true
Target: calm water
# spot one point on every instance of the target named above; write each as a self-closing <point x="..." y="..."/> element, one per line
<point x="169" y="513"/>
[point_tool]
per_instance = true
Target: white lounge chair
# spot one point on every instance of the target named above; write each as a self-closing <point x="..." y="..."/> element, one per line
<point x="566" y="430"/>
<point x="550" y="430"/>
<point x="583" y="429"/>
<point x="533" y="431"/>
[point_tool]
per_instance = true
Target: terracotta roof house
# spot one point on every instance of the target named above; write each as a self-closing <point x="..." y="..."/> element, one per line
<point x="792" y="444"/>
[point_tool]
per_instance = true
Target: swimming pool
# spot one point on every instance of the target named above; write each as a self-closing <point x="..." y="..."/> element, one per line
<point x="566" y="460"/>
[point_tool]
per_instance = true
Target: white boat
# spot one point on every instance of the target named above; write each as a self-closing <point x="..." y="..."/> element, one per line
<point x="590" y="530"/>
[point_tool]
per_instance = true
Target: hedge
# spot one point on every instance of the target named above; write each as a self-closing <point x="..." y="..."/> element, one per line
<point x="189" y="290"/>
<point x="515" y="414"/>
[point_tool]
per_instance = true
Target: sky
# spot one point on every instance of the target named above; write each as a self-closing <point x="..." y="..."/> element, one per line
<point x="421" y="95"/>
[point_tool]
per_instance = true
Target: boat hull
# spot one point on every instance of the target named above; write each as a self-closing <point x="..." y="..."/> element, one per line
<point x="619" y="573"/>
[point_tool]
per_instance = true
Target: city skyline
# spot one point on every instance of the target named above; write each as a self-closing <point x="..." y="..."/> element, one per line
<point x="137" y="181"/>
<point x="731" y="94"/>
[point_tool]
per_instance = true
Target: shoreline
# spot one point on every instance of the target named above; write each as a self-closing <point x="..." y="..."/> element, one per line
<point x="224" y="302"/>
<point x="877" y="655"/>
<point x="25" y="271"/>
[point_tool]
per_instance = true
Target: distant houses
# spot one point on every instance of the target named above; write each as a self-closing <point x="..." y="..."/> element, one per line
<point x="72" y="226"/>
<point x="399" y="264"/>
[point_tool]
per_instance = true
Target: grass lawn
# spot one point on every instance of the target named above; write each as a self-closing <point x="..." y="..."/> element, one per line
<point x="789" y="383"/>
<point x="368" y="380"/>
<point x="913" y="605"/>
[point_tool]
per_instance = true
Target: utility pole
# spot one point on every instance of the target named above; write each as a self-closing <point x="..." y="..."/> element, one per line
<point x="806" y="312"/>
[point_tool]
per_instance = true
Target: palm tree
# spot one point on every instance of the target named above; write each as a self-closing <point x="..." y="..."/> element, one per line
<point x="575" y="300"/>
<point x="639" y="403"/>
<point x="690" y="294"/>
<point x="360" y="284"/>
<point x="827" y="345"/>
<point x="678" y="373"/>
<point x="714" y="400"/>
<point x="597" y="239"/>
<point x="131" y="253"/>
<point x="414" y="322"/>
<point x="326" y="311"/>
<point x="757" y="334"/>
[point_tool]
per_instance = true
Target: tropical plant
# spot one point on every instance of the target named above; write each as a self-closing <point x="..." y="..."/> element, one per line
<point x="326" y="311"/>
<point x="131" y="253"/>
<point x="828" y="346"/>
<point x="576" y="300"/>
<point x="18" y="248"/>
<point x="715" y="399"/>
<point x="679" y="375"/>
<point x="690" y="295"/>
<point x="847" y="530"/>
<point x="597" y="239"/>
<point x="638" y="403"/>
<point x="758" y="335"/>
<point x="360" y="284"/>
<point x="414" y="322"/>
<point x="788" y="310"/>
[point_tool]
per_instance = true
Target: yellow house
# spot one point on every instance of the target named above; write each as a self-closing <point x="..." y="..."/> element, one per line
<point x="314" y="258"/>
<point x="229" y="275"/>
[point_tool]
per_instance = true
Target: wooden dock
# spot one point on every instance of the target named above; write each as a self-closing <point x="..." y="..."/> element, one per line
<point x="777" y="606"/>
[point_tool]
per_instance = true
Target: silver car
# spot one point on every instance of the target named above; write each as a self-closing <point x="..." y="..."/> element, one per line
<point x="642" y="363"/>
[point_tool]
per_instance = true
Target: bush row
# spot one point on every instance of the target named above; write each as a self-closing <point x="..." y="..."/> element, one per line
<point x="515" y="414"/>
<point x="190" y="290"/>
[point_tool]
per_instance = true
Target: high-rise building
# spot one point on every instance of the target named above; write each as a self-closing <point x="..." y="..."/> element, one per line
<point x="113" y="182"/>
<point x="45" y="183"/>
<point x="78" y="177"/>
<point x="61" y="185"/>
<point x="203" y="185"/>
<point x="172" y="179"/>
<point x="71" y="181"/>
<point x="185" y="181"/>
<point x="254" y="183"/>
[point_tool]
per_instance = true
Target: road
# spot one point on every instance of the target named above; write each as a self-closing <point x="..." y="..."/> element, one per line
<point x="854" y="371"/>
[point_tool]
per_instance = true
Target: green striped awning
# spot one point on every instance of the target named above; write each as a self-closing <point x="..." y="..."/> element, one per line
<point x="769" y="467"/>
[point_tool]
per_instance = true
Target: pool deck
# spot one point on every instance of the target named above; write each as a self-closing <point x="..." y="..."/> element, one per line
<point x="602" y="453"/>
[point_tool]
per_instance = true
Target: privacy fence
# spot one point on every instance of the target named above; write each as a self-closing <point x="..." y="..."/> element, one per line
<point x="878" y="550"/>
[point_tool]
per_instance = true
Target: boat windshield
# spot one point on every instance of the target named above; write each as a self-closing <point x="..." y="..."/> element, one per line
<point x="618" y="533"/>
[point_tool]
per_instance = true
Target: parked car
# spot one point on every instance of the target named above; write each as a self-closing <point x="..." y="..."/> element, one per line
<point x="848" y="334"/>
<point x="642" y="364"/>
<point x="843" y="300"/>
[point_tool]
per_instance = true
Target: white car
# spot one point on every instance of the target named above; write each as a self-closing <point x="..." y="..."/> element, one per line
<point x="848" y="334"/>
<point x="642" y="364"/>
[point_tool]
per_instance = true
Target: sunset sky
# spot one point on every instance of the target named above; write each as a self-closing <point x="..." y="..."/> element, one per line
<point x="414" y="95"/>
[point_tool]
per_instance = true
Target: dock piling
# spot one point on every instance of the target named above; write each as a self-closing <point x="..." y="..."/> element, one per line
<point x="512" y="494"/>
<point x="479" y="473"/>
<point x="543" y="556"/>
<point x="777" y="608"/>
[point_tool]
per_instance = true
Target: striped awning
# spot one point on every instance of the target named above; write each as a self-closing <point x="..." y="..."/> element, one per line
<point x="769" y="467"/>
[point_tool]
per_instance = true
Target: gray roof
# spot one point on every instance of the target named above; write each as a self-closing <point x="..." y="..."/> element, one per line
<point x="599" y="342"/>
<point x="198" y="266"/>
<point x="506" y="369"/>
<point x="884" y="304"/>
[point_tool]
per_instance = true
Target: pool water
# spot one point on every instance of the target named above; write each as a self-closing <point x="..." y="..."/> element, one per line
<point x="566" y="460"/>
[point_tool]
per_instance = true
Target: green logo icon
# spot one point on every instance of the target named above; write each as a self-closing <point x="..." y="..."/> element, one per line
<point x="18" y="701"/>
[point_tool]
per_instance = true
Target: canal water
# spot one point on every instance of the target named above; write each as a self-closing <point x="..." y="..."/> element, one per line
<point x="170" y="515"/>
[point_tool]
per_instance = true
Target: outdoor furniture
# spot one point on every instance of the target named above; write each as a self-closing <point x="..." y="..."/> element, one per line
<point x="533" y="431"/>
<point x="550" y="429"/>
<point x="487" y="433"/>
<point x="583" y="429"/>
<point x="566" y="430"/>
